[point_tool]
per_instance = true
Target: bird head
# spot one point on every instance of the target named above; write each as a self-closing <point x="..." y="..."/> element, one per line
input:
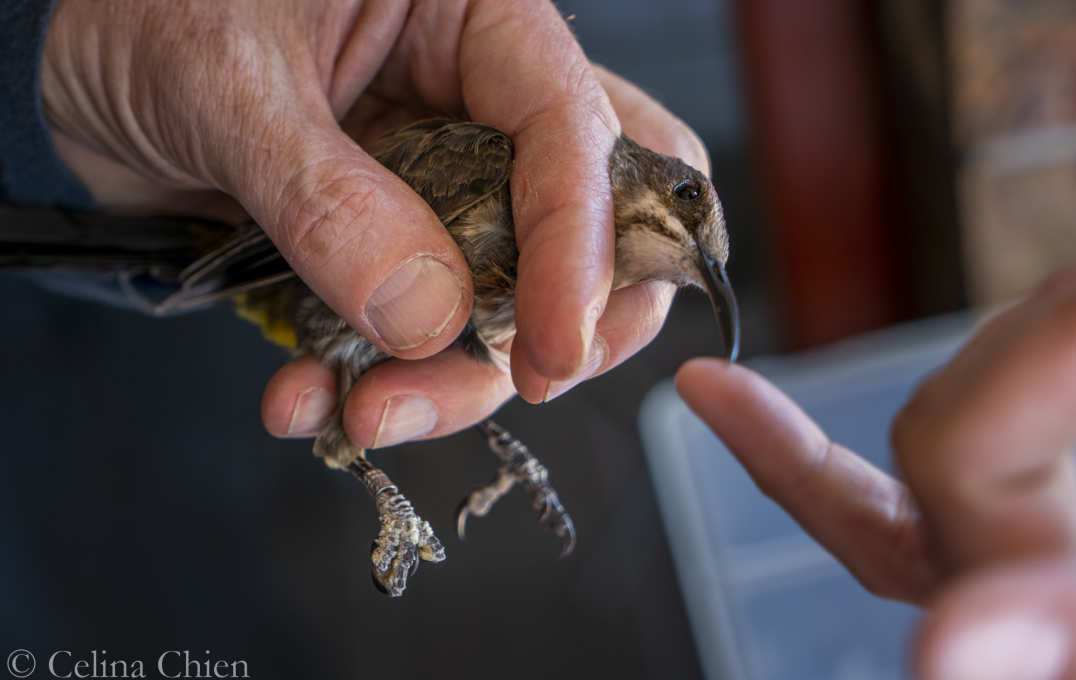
<point x="670" y="227"/>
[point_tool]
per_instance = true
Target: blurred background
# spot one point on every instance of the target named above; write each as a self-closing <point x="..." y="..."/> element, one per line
<point x="878" y="161"/>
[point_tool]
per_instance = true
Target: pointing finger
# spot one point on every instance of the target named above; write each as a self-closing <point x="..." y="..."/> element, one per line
<point x="857" y="512"/>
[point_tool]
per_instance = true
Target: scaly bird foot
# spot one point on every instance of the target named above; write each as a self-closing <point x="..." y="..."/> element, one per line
<point x="519" y="466"/>
<point x="405" y="538"/>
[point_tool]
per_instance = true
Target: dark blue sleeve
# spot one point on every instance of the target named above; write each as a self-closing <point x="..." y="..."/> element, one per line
<point x="30" y="170"/>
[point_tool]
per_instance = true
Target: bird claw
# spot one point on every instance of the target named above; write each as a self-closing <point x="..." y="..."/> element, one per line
<point x="480" y="501"/>
<point x="462" y="513"/>
<point x="553" y="516"/>
<point x="520" y="466"/>
<point x="404" y="541"/>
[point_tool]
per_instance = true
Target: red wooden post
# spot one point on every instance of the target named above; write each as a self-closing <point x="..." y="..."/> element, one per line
<point x="820" y="140"/>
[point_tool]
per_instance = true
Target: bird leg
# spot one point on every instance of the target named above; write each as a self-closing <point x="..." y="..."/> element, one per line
<point x="405" y="538"/>
<point x="518" y="465"/>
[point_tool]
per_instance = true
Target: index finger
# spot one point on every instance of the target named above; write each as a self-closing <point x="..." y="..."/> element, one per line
<point x="860" y="514"/>
<point x="523" y="72"/>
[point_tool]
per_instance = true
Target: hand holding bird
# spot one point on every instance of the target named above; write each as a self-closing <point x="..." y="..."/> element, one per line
<point x="669" y="226"/>
<point x="247" y="103"/>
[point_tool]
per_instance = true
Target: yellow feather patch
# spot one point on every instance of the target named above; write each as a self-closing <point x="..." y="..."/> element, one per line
<point x="267" y="309"/>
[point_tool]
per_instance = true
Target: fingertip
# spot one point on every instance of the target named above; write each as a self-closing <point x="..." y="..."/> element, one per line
<point x="1013" y="621"/>
<point x="553" y="335"/>
<point x="747" y="411"/>
<point x="393" y="420"/>
<point x="700" y="374"/>
<point x="298" y="399"/>
<point x="551" y="364"/>
<point x="597" y="361"/>
<point x="364" y="242"/>
<point x="366" y="405"/>
<point x="536" y="388"/>
<point x="702" y="365"/>
<point x="399" y="401"/>
<point x="420" y="308"/>
<point x="531" y="385"/>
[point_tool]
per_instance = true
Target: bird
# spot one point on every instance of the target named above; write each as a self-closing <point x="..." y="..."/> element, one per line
<point x="669" y="226"/>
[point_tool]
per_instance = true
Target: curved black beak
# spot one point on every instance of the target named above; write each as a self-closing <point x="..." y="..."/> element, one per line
<point x="726" y="311"/>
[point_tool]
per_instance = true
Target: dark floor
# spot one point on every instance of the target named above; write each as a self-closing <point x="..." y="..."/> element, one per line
<point x="143" y="509"/>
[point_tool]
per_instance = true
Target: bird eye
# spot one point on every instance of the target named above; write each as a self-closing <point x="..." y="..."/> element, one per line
<point x="687" y="190"/>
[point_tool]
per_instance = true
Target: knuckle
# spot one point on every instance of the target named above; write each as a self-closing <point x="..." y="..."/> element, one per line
<point x="322" y="212"/>
<point x="907" y="545"/>
<point x="816" y="469"/>
<point x="586" y="95"/>
<point x="209" y="44"/>
<point x="905" y="574"/>
<point x="582" y="85"/>
<point x="196" y="53"/>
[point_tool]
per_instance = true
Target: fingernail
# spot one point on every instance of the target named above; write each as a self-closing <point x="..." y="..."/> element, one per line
<point x="592" y="363"/>
<point x="405" y="417"/>
<point x="1016" y="648"/>
<point x="313" y="407"/>
<point x="415" y="303"/>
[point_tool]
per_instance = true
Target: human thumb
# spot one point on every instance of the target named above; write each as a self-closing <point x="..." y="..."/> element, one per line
<point x="359" y="237"/>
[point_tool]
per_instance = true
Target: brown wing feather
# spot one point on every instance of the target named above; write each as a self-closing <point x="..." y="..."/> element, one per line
<point x="451" y="165"/>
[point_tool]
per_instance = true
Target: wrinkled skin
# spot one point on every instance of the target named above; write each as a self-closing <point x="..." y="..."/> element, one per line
<point x="982" y="529"/>
<point x="209" y="107"/>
